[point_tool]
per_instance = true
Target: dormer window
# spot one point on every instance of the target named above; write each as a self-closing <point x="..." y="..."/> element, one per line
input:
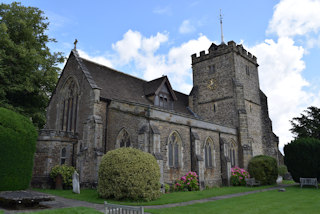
<point x="159" y="92"/>
<point x="165" y="101"/>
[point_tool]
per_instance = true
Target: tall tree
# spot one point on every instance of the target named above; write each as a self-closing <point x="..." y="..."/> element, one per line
<point x="28" y="70"/>
<point x="308" y="124"/>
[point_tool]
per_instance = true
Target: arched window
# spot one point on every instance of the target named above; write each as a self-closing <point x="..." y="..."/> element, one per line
<point x="69" y="106"/>
<point x="63" y="156"/>
<point x="232" y="153"/>
<point x="174" y="147"/>
<point x="123" y="139"/>
<point x="209" y="153"/>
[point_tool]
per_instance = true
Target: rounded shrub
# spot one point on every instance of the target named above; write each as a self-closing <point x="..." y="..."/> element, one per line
<point x="264" y="169"/>
<point x="282" y="170"/>
<point x="302" y="158"/>
<point x="129" y="173"/>
<point x="17" y="147"/>
<point x="66" y="173"/>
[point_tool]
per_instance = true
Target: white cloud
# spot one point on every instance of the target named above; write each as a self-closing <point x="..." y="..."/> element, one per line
<point x="99" y="59"/>
<point x="280" y="74"/>
<point x="186" y="27"/>
<point x="162" y="10"/>
<point x="295" y="17"/>
<point x="142" y="53"/>
<point x="128" y="47"/>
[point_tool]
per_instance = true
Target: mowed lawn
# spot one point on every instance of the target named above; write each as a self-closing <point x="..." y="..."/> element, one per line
<point x="293" y="201"/>
<point x="91" y="195"/>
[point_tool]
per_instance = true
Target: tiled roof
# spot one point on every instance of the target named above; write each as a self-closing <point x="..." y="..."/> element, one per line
<point x="121" y="86"/>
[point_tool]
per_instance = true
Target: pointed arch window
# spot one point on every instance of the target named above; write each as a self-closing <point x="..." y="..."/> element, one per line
<point x="70" y="106"/>
<point x="174" y="147"/>
<point x="232" y="154"/>
<point x="123" y="139"/>
<point x="209" y="153"/>
<point x="63" y="156"/>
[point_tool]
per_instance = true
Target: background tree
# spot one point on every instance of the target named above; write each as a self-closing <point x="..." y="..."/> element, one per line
<point x="308" y="124"/>
<point x="28" y="70"/>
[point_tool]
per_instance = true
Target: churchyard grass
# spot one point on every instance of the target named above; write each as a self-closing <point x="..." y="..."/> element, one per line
<point x="91" y="195"/>
<point x="73" y="210"/>
<point x="293" y="201"/>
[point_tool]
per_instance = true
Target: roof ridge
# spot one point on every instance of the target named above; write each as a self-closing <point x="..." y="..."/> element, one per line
<point x="115" y="70"/>
<point x="85" y="70"/>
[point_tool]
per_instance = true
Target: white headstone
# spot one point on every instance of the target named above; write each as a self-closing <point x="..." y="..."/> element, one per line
<point x="279" y="179"/>
<point x="76" y="183"/>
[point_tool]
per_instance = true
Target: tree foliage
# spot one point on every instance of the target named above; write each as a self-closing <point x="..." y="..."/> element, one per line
<point x="302" y="158"/>
<point x="308" y="124"/>
<point x="28" y="70"/>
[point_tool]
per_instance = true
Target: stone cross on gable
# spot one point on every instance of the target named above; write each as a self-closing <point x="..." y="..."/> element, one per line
<point x="75" y="44"/>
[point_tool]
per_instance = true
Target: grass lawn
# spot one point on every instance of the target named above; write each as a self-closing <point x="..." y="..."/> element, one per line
<point x="73" y="210"/>
<point x="90" y="195"/>
<point x="293" y="201"/>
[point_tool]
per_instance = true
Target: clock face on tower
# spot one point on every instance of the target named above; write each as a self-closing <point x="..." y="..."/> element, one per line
<point x="212" y="84"/>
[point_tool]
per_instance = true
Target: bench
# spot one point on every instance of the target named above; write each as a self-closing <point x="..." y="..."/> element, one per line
<point x="308" y="181"/>
<point x="122" y="209"/>
<point x="252" y="182"/>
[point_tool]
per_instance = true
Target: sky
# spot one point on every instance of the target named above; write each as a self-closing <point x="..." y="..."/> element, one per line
<point x="150" y="38"/>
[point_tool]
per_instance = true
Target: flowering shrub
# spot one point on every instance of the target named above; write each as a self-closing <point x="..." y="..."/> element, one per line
<point x="189" y="182"/>
<point x="238" y="176"/>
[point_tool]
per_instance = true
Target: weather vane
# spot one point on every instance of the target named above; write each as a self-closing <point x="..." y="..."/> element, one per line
<point x="75" y="44"/>
<point x="222" y="42"/>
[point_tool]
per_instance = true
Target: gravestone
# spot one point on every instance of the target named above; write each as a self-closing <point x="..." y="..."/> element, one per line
<point x="279" y="179"/>
<point x="76" y="183"/>
<point x="59" y="182"/>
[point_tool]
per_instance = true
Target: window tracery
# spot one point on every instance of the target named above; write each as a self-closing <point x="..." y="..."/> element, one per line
<point x="174" y="147"/>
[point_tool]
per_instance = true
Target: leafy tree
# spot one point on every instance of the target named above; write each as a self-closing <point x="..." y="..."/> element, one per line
<point x="302" y="158"/>
<point x="308" y="124"/>
<point x="28" y="70"/>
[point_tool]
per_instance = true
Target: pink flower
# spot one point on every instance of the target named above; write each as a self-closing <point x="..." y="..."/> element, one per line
<point x="188" y="183"/>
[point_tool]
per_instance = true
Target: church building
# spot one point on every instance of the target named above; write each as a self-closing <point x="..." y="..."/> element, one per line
<point x="222" y="123"/>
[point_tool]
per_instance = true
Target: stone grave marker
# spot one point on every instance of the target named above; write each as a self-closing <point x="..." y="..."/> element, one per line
<point x="76" y="183"/>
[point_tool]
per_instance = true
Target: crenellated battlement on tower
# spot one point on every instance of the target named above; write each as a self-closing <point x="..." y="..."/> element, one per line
<point x="216" y="50"/>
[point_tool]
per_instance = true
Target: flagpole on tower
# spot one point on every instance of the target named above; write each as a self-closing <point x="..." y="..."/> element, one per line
<point x="222" y="42"/>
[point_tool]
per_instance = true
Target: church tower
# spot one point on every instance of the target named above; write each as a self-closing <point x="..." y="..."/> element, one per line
<point x="226" y="91"/>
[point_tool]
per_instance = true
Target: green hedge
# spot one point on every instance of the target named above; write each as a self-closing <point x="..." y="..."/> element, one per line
<point x="17" y="147"/>
<point x="264" y="169"/>
<point x="128" y="173"/>
<point x="302" y="157"/>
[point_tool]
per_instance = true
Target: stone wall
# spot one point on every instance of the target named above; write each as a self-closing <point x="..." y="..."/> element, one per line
<point x="48" y="154"/>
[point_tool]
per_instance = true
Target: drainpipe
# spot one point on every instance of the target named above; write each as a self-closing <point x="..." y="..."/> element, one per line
<point x="106" y="124"/>
<point x="191" y="151"/>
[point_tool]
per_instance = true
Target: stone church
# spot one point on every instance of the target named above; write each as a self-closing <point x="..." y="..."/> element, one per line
<point x="222" y="123"/>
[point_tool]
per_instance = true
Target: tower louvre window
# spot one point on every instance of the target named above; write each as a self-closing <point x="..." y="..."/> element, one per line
<point x="212" y="69"/>
<point x="247" y="70"/>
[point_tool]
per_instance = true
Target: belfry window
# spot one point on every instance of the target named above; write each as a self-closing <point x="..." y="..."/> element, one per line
<point x="212" y="69"/>
<point x="174" y="150"/>
<point x="247" y="70"/>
